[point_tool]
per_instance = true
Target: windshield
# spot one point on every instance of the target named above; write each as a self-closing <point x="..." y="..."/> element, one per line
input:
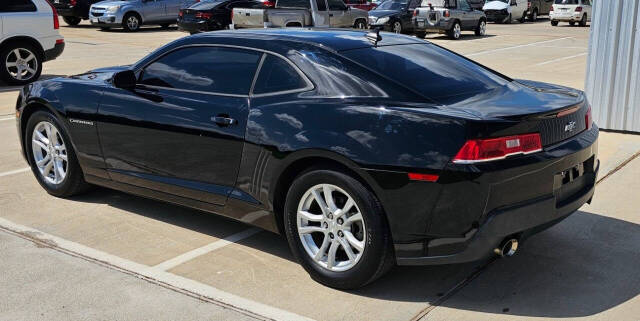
<point x="391" y="5"/>
<point x="437" y="3"/>
<point x="428" y="69"/>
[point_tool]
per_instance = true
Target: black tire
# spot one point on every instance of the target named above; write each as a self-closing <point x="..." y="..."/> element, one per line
<point x="129" y="26"/>
<point x="509" y="19"/>
<point x="377" y="257"/>
<point x="452" y="32"/>
<point x="479" y="30"/>
<point x="360" y="24"/>
<point x="420" y="34"/>
<point x="572" y="23"/>
<point x="72" y="21"/>
<point x="73" y="183"/>
<point x="534" y="15"/>
<point x="34" y="63"/>
<point x="523" y="18"/>
<point x="165" y="25"/>
<point x="583" y="21"/>
<point x="554" y="23"/>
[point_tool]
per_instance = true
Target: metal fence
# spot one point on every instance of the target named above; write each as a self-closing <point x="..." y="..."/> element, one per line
<point x="613" y="67"/>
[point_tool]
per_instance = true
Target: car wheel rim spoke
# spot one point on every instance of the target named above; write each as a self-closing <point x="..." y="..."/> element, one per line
<point x="331" y="227"/>
<point x="21" y="68"/>
<point x="49" y="152"/>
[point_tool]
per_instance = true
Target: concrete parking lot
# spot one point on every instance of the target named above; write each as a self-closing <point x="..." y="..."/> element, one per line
<point x="109" y="255"/>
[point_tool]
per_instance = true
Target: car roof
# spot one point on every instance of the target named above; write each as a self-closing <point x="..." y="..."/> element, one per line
<point x="332" y="39"/>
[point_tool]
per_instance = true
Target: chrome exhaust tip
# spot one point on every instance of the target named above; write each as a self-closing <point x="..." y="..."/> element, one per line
<point x="507" y="248"/>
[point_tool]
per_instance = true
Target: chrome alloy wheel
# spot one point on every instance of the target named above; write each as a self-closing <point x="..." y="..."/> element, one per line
<point x="456" y="31"/>
<point x="21" y="64"/>
<point x="331" y="227"/>
<point x="483" y="28"/>
<point x="49" y="152"/>
<point x="397" y="27"/>
<point x="133" y="23"/>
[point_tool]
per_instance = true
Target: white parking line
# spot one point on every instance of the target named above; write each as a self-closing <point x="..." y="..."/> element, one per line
<point x="8" y="118"/>
<point x="515" y="47"/>
<point x="17" y="171"/>
<point x="561" y="59"/>
<point x="152" y="274"/>
<point x="169" y="264"/>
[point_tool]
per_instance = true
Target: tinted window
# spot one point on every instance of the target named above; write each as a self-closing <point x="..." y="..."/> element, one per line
<point x="337" y="5"/>
<point x="392" y="5"/>
<point x="464" y="5"/>
<point x="293" y="4"/>
<point x="413" y="4"/>
<point x="17" y="6"/>
<point x="209" y="69"/>
<point x="277" y="75"/>
<point x="322" y="5"/>
<point x="566" y="1"/>
<point x="428" y="69"/>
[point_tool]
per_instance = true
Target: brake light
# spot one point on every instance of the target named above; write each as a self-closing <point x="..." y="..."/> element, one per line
<point x="528" y="5"/>
<point x="415" y="12"/>
<point x="483" y="150"/>
<point x="73" y="2"/>
<point x="181" y="13"/>
<point x="204" y="15"/>
<point x="588" y="119"/>
<point x="423" y="177"/>
<point x="551" y="10"/>
<point x="269" y="4"/>
<point x="56" y="22"/>
<point x="578" y="9"/>
<point x="447" y="13"/>
<point x="59" y="41"/>
<point x="231" y="16"/>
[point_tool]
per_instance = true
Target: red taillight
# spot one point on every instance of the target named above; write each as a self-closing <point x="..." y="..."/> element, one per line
<point x="231" y="16"/>
<point x="528" y="5"/>
<point x="551" y="10"/>
<point x="204" y="15"/>
<point x="181" y="13"/>
<point x="482" y="150"/>
<point x="578" y="9"/>
<point x="415" y="12"/>
<point x="269" y="4"/>
<point x="59" y="41"/>
<point x="447" y="13"/>
<point x="56" y="22"/>
<point x="73" y="2"/>
<point x="588" y="119"/>
<point x="423" y="177"/>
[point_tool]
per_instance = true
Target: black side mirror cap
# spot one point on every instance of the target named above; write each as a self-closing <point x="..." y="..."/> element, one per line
<point x="125" y="79"/>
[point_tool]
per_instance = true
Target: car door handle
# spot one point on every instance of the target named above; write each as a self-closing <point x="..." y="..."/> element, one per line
<point x="331" y="15"/>
<point x="224" y="120"/>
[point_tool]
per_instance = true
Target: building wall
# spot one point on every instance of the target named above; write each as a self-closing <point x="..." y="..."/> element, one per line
<point x="613" y="67"/>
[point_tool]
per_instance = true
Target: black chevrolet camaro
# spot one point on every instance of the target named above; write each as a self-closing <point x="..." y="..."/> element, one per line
<point x="364" y="152"/>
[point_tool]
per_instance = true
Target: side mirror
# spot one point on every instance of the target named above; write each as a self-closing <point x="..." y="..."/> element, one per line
<point x="125" y="80"/>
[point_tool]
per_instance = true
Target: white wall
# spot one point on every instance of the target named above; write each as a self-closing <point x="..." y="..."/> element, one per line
<point x="613" y="66"/>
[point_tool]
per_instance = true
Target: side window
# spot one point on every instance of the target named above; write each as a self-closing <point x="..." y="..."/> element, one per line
<point x="322" y="5"/>
<point x="208" y="69"/>
<point x="413" y="4"/>
<point x="277" y="75"/>
<point x="337" y="5"/>
<point x="464" y="5"/>
<point x="17" y="6"/>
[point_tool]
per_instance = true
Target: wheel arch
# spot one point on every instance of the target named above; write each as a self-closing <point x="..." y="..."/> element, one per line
<point x="27" y="39"/>
<point x="307" y="160"/>
<point x="133" y="11"/>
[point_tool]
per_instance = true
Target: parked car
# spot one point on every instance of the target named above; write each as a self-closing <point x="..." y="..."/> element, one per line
<point x="360" y="4"/>
<point x="29" y="36"/>
<point x="73" y="11"/>
<point x="448" y="16"/>
<point x="506" y="11"/>
<point x="132" y="14"/>
<point x="214" y="15"/>
<point x="538" y="8"/>
<point x="394" y="15"/>
<point x="442" y="160"/>
<point x="571" y="11"/>
<point x="301" y="13"/>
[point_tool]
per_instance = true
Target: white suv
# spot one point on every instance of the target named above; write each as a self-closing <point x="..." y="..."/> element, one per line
<point x="28" y="37"/>
<point x="571" y="11"/>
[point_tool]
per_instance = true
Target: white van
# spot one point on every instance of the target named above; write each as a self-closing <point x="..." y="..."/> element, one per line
<point x="29" y="36"/>
<point x="506" y="11"/>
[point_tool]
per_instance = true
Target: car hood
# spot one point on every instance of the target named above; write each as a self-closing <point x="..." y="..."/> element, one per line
<point x="495" y="5"/>
<point x="518" y="98"/>
<point x="383" y="13"/>
<point x="100" y="74"/>
<point x="110" y="3"/>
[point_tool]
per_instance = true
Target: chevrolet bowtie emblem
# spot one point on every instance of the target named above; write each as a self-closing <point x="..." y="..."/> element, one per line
<point x="570" y="126"/>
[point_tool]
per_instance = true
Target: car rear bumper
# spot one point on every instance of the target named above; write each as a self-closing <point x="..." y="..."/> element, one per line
<point x="567" y="17"/>
<point x="54" y="52"/>
<point x="197" y="26"/>
<point x="548" y="188"/>
<point x="424" y="25"/>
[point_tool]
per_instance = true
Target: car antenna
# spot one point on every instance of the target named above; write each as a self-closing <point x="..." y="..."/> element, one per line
<point x="374" y="36"/>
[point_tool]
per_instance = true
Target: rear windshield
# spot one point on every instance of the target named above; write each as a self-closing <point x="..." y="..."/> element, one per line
<point x="567" y="1"/>
<point x="439" y="3"/>
<point x="293" y="4"/>
<point x="428" y="69"/>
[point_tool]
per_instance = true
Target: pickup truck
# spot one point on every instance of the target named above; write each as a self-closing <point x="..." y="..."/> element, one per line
<point x="301" y="13"/>
<point x="448" y="16"/>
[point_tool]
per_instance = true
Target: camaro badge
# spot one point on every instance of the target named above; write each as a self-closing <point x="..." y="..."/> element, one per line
<point x="570" y="126"/>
